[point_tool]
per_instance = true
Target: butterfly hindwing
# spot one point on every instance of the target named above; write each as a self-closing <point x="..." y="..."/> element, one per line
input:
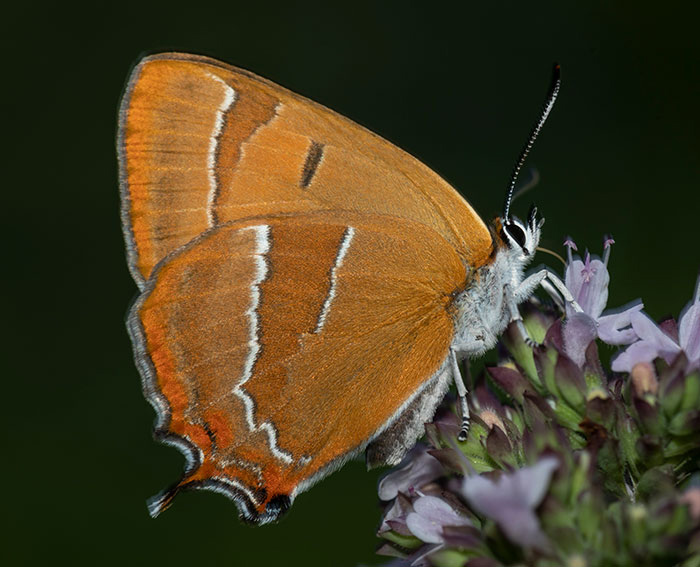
<point x="259" y="358"/>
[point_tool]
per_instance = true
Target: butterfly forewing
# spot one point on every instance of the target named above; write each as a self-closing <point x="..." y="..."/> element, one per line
<point x="202" y="143"/>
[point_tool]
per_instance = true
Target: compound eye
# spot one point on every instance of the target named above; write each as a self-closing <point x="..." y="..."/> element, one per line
<point x="516" y="233"/>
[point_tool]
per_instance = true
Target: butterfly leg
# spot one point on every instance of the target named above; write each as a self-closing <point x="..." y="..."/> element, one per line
<point x="551" y="283"/>
<point x="555" y="287"/>
<point x="514" y="297"/>
<point x="461" y="394"/>
<point x="554" y="294"/>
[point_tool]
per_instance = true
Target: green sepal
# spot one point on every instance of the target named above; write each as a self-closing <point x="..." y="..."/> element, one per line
<point x="408" y="542"/>
<point x="691" y="392"/>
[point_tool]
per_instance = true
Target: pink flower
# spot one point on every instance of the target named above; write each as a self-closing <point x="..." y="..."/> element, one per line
<point x="417" y="469"/>
<point x="512" y="499"/>
<point x="430" y="514"/>
<point x="588" y="282"/>
<point x="656" y="343"/>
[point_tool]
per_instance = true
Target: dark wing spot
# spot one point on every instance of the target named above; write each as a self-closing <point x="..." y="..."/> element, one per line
<point x="313" y="158"/>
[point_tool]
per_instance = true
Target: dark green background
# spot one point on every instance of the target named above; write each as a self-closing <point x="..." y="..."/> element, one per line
<point x="458" y="85"/>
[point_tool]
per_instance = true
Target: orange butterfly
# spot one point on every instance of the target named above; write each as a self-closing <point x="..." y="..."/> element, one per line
<point x="306" y="287"/>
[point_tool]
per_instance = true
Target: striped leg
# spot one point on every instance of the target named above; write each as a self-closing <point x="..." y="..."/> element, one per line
<point x="462" y="394"/>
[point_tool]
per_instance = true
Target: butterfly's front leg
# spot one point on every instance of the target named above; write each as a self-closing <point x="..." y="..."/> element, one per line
<point x="557" y="290"/>
<point x="551" y="283"/>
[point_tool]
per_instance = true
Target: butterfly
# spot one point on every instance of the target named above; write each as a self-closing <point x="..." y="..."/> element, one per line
<point x="306" y="288"/>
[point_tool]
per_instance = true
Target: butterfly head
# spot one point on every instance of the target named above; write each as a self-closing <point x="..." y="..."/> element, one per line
<point x="520" y="238"/>
<point x="484" y="308"/>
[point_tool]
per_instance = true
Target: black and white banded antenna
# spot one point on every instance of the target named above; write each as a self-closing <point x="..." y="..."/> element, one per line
<point x="546" y="109"/>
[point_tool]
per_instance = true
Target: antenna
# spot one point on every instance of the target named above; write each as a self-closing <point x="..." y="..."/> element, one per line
<point x="546" y="109"/>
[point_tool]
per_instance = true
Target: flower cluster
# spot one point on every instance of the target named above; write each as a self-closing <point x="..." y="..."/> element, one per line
<point x="567" y="463"/>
